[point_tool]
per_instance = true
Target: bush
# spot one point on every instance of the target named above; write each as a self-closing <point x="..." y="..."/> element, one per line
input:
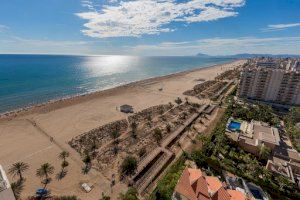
<point x="178" y="101"/>
<point x="142" y="152"/>
<point x="240" y="163"/>
<point x="129" y="165"/>
<point x="166" y="185"/>
<point x="157" y="135"/>
<point x="131" y="194"/>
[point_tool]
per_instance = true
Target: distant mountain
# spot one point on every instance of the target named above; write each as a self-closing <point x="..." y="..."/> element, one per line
<point x="247" y="55"/>
<point x="202" y="55"/>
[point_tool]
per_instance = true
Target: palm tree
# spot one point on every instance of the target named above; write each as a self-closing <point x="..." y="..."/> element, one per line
<point x="87" y="161"/>
<point x="45" y="170"/>
<point x="264" y="152"/>
<point x="63" y="155"/>
<point x="18" y="169"/>
<point x="17" y="188"/>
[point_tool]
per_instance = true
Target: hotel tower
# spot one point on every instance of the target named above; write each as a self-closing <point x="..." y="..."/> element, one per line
<point x="272" y="80"/>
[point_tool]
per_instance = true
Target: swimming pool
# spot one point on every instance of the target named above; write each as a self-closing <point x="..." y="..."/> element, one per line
<point x="234" y="126"/>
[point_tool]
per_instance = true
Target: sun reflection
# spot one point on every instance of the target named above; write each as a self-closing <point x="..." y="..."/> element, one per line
<point x="108" y="65"/>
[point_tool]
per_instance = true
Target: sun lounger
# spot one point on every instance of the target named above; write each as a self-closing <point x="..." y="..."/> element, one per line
<point x="86" y="187"/>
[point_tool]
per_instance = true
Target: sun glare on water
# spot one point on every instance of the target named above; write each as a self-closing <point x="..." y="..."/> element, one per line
<point x="108" y="65"/>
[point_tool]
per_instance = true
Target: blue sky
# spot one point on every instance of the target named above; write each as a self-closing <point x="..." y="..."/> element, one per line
<point x="150" y="27"/>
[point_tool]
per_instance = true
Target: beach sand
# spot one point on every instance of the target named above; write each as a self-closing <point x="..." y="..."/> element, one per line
<point x="25" y="135"/>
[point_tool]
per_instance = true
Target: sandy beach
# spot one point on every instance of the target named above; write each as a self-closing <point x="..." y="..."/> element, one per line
<point x="25" y="135"/>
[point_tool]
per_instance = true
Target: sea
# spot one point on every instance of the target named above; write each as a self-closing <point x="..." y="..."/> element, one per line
<point x="26" y="80"/>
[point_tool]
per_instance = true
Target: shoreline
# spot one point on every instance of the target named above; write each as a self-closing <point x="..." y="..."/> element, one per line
<point x="25" y="136"/>
<point x="78" y="98"/>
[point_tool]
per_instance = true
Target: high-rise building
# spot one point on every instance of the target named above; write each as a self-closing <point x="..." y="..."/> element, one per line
<point x="6" y="192"/>
<point x="273" y="80"/>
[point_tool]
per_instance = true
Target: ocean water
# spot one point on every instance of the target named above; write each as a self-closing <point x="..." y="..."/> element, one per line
<point x="26" y="80"/>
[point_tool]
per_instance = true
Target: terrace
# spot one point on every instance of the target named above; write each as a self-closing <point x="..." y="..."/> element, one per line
<point x="251" y="135"/>
<point x="109" y="152"/>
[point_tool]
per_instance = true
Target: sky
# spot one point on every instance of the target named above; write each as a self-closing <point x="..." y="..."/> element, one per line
<point x="149" y="27"/>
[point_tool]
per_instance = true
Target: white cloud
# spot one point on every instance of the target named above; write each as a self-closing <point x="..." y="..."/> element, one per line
<point x="279" y="27"/>
<point x="138" y="17"/>
<point x="223" y="46"/>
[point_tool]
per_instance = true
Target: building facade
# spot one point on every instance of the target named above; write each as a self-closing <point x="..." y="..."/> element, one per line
<point x="6" y="192"/>
<point x="272" y="80"/>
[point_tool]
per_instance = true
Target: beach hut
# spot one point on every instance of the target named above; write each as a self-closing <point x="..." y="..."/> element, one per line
<point x="126" y="108"/>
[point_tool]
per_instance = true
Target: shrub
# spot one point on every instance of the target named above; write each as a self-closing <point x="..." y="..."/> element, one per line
<point x="129" y="165"/>
<point x="178" y="101"/>
<point x="131" y="194"/>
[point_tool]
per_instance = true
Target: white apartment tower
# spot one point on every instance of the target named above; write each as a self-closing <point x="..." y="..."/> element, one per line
<point x="273" y="80"/>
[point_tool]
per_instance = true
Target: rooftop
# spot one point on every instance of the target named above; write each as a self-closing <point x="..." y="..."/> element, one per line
<point x="265" y="133"/>
<point x="195" y="185"/>
<point x="287" y="64"/>
<point x="257" y="132"/>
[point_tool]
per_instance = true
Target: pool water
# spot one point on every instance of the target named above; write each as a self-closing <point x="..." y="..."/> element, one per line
<point x="233" y="125"/>
<point x="256" y="194"/>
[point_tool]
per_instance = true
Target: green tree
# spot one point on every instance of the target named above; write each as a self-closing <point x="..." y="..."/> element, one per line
<point x="105" y="198"/>
<point x="129" y="165"/>
<point x="131" y="194"/>
<point x="45" y="170"/>
<point x="63" y="155"/>
<point x="18" y="169"/>
<point x="115" y="135"/>
<point x="157" y="135"/>
<point x="17" y="188"/>
<point x="264" y="152"/>
<point x="282" y="182"/>
<point x="87" y="161"/>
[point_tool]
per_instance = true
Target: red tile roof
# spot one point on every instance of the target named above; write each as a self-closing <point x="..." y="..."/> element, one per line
<point x="221" y="194"/>
<point x="213" y="183"/>
<point x="236" y="195"/>
<point x="195" y="186"/>
<point x="184" y="188"/>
